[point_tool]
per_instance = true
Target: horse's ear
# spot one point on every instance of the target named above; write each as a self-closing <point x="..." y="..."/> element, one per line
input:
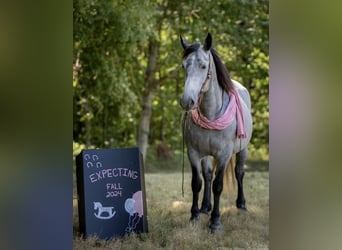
<point x="184" y="44"/>
<point x="208" y="42"/>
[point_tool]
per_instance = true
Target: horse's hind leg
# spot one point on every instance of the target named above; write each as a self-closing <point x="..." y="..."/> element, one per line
<point x="239" y="174"/>
<point x="207" y="172"/>
<point x="215" y="223"/>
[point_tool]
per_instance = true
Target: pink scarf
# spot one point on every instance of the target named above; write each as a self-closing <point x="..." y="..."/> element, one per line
<point x="233" y="110"/>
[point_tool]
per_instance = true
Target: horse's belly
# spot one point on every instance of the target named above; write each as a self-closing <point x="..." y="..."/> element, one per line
<point x="208" y="142"/>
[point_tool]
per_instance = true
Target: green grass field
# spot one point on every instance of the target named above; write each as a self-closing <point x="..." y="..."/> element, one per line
<point x="169" y="213"/>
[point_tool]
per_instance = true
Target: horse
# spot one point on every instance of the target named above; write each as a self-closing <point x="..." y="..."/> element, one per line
<point x="216" y="123"/>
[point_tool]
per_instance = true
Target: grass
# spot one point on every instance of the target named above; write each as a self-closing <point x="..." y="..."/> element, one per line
<point x="169" y="213"/>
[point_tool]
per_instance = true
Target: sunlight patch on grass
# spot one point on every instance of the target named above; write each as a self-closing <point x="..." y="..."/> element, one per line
<point x="180" y="204"/>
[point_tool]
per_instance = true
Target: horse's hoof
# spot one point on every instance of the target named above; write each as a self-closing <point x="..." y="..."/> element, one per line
<point x="217" y="226"/>
<point x="242" y="208"/>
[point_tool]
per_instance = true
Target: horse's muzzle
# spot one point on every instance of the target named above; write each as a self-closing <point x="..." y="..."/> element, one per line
<point x="187" y="104"/>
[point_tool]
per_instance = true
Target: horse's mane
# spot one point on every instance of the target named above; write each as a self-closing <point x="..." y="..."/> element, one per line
<point x="188" y="50"/>
<point x="222" y="73"/>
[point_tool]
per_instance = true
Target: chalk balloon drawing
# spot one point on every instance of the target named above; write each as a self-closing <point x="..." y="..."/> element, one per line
<point x="129" y="206"/>
<point x="134" y="206"/>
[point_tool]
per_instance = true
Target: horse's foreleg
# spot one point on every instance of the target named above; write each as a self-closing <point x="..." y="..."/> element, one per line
<point x="207" y="172"/>
<point x="217" y="190"/>
<point x="196" y="184"/>
<point x="239" y="174"/>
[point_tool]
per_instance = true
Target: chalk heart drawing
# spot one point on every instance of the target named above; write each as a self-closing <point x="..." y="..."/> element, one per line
<point x="108" y="211"/>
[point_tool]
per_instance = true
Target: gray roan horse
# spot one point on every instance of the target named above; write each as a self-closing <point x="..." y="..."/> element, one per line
<point x="208" y="93"/>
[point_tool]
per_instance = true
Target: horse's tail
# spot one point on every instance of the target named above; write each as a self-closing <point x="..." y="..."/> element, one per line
<point x="229" y="170"/>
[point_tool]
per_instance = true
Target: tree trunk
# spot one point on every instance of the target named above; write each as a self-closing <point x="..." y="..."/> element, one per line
<point x="150" y="86"/>
<point x="144" y="126"/>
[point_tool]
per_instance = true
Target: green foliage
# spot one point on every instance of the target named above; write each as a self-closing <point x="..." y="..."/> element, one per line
<point x="112" y="45"/>
<point x="105" y="105"/>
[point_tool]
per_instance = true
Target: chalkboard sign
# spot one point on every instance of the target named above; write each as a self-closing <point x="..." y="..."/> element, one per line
<point x="111" y="192"/>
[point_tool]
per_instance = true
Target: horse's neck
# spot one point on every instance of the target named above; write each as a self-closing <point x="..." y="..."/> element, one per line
<point x="214" y="101"/>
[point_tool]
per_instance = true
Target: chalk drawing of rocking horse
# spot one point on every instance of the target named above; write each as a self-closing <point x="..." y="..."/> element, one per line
<point x="109" y="210"/>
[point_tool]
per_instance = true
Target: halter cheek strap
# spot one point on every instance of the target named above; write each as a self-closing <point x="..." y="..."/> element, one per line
<point x="205" y="85"/>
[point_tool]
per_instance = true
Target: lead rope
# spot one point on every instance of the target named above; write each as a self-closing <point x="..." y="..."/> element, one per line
<point x="183" y="170"/>
<point x="183" y="149"/>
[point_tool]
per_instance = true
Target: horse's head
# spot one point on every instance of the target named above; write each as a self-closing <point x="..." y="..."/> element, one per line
<point x="196" y="63"/>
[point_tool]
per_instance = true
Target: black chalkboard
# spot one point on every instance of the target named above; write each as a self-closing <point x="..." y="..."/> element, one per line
<point x="111" y="192"/>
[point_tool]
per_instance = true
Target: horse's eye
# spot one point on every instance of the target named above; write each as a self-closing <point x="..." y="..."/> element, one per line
<point x="203" y="66"/>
